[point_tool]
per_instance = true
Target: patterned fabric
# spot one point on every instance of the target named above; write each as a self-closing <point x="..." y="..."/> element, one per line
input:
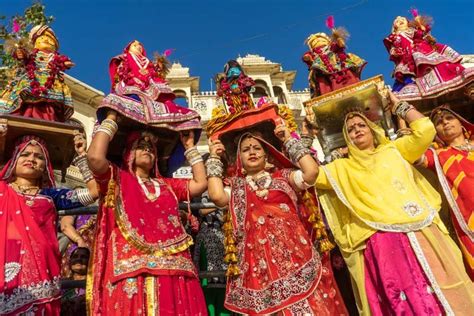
<point x="455" y="170"/>
<point x="55" y="105"/>
<point x="140" y="257"/>
<point x="29" y="253"/>
<point x="423" y="69"/>
<point x="280" y="269"/>
<point x="331" y="68"/>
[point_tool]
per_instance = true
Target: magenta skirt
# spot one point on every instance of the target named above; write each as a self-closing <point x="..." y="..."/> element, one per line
<point x="394" y="280"/>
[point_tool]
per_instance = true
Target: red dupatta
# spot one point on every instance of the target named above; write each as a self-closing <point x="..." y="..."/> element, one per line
<point x="133" y="209"/>
<point x="245" y="291"/>
<point x="30" y="264"/>
<point x="137" y="218"/>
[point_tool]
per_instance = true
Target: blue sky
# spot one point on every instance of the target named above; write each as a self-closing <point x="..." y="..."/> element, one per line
<point x="205" y="34"/>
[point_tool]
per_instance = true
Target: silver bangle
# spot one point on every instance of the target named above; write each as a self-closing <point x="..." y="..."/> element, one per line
<point x="108" y="127"/>
<point x="193" y="156"/>
<point x="84" y="196"/>
<point x="307" y="140"/>
<point x="296" y="149"/>
<point x="214" y="168"/>
<point x="402" y="108"/>
<point x="81" y="163"/>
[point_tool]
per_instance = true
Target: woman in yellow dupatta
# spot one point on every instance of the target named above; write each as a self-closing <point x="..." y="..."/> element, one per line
<point x="384" y="217"/>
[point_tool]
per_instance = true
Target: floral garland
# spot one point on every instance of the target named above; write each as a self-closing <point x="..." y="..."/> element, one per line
<point x="55" y="65"/>
<point x="260" y="184"/>
<point x="225" y="91"/>
<point x="341" y="55"/>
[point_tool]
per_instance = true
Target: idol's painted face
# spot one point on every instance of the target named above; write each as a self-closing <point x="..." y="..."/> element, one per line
<point x="136" y="48"/>
<point x="234" y="72"/>
<point x="252" y="155"/>
<point x="31" y="163"/>
<point x="400" y="23"/>
<point x="448" y="127"/>
<point x="45" y="42"/>
<point x="360" y="133"/>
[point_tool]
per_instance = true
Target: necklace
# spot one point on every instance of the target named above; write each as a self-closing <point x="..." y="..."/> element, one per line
<point x="150" y="196"/>
<point x="24" y="189"/>
<point x="466" y="147"/>
<point x="260" y="183"/>
<point x="142" y="63"/>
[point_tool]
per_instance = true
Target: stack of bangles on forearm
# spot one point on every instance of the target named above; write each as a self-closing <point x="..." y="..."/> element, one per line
<point x="81" y="163"/>
<point x="193" y="156"/>
<point x="307" y="140"/>
<point x="214" y="167"/>
<point x="296" y="150"/>
<point x="109" y="127"/>
<point x="402" y="108"/>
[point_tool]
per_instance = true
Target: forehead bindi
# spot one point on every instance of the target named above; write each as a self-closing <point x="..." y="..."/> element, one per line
<point x="353" y="121"/>
<point x="250" y="142"/>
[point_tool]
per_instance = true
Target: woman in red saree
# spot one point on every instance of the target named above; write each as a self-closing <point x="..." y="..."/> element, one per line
<point x="29" y="253"/>
<point x="274" y="268"/>
<point x="453" y="162"/>
<point x="140" y="260"/>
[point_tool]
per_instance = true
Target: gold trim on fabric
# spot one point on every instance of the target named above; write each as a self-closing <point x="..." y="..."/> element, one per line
<point x="450" y="198"/>
<point x="381" y="226"/>
<point x="130" y="235"/>
<point x="90" y="277"/>
<point x="150" y="295"/>
<point x="415" y="245"/>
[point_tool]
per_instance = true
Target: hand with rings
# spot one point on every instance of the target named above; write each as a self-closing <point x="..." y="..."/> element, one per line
<point x="216" y="148"/>
<point x="282" y="132"/>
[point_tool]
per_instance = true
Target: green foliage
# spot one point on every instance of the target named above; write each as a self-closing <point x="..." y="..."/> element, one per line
<point x="32" y="16"/>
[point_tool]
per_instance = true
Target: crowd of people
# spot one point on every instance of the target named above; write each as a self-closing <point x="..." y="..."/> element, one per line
<point x="279" y="211"/>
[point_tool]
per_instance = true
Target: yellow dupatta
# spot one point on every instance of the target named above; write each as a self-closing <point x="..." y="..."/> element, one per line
<point x="376" y="190"/>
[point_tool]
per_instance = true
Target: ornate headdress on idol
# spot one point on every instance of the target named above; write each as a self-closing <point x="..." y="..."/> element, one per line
<point x="39" y="30"/>
<point x="312" y="40"/>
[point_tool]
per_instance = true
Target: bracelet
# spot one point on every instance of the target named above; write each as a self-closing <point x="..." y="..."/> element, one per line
<point x="79" y="237"/>
<point x="402" y="108"/>
<point x="295" y="149"/>
<point x="193" y="156"/>
<point x="84" y="196"/>
<point x="307" y="140"/>
<point x="81" y="163"/>
<point x="108" y="127"/>
<point x="214" y="168"/>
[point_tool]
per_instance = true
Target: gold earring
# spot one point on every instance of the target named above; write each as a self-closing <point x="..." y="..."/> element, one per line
<point x="244" y="172"/>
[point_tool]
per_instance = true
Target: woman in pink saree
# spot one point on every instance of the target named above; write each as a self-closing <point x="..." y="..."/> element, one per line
<point x="140" y="259"/>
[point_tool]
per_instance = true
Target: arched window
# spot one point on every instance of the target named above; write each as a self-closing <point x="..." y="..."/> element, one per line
<point x="279" y="94"/>
<point x="261" y="90"/>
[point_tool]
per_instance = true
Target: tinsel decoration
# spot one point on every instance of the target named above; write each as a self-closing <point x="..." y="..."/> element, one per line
<point x="230" y="248"/>
<point x="317" y="223"/>
<point x="110" y="197"/>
